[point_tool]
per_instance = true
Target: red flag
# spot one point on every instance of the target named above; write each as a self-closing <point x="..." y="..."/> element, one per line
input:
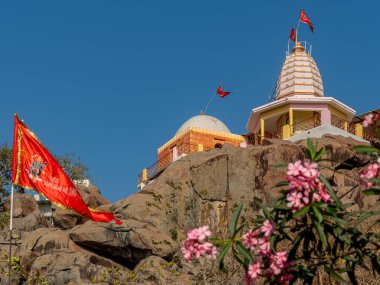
<point x="35" y="168"/>
<point x="305" y="19"/>
<point x="293" y="35"/>
<point x="221" y="92"/>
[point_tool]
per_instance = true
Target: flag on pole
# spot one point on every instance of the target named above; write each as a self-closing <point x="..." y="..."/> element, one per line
<point x="221" y="92"/>
<point x="293" y="35"/>
<point x="35" y="168"/>
<point x="305" y="19"/>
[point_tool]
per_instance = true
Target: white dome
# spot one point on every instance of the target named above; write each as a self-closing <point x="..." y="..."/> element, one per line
<point x="204" y="122"/>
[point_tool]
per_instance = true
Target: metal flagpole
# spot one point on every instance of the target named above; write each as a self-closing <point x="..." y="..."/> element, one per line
<point x="10" y="236"/>
<point x="297" y="31"/>
<point x="209" y="102"/>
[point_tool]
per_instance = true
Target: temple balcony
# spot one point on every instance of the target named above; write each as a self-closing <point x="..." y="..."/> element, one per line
<point x="287" y="131"/>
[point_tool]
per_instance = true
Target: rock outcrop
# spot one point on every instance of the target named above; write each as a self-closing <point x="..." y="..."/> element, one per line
<point x="200" y="188"/>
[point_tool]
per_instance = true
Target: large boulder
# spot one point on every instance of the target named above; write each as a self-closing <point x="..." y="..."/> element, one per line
<point x="127" y="243"/>
<point x="23" y="205"/>
<point x="155" y="270"/>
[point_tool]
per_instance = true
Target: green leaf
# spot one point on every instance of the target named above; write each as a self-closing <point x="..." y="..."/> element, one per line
<point x="237" y="257"/>
<point x="318" y="214"/>
<point x="334" y="275"/>
<point x="319" y="155"/>
<point x="263" y="207"/>
<point x="281" y="165"/>
<point x="238" y="230"/>
<point x="330" y="190"/>
<point x="216" y="241"/>
<point x="364" y="217"/>
<point x="221" y="256"/>
<point x="351" y="273"/>
<point x="282" y="206"/>
<point x="235" y="219"/>
<point x="372" y="192"/>
<point x="365" y="149"/>
<point x="301" y="212"/>
<point x="321" y="234"/>
<point x="245" y="252"/>
<point x="311" y="148"/>
<point x="342" y="223"/>
<point x="280" y="184"/>
<point x="345" y="238"/>
<point x="296" y="243"/>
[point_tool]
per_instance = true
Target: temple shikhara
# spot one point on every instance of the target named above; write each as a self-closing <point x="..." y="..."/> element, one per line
<point x="299" y="110"/>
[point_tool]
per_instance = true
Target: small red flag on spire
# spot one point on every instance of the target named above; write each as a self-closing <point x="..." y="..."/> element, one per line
<point x="221" y="92"/>
<point x="293" y="35"/>
<point x="35" y="168"/>
<point x="305" y="19"/>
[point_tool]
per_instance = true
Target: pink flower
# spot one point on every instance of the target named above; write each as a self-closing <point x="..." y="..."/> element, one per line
<point x="268" y="228"/>
<point x="325" y="196"/>
<point x="295" y="169"/>
<point x="278" y="262"/>
<point x="193" y="234"/>
<point x="250" y="240"/>
<point x="204" y="232"/>
<point x="280" y="257"/>
<point x="367" y="120"/>
<point x="285" y="278"/>
<point x="294" y="199"/>
<point x="254" y="270"/>
<point x="310" y="170"/>
<point x="373" y="171"/>
<point x="195" y="246"/>
<point x="303" y="181"/>
<point x="264" y="246"/>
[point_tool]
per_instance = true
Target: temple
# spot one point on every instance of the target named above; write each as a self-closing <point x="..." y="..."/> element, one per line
<point x="199" y="133"/>
<point x="300" y="110"/>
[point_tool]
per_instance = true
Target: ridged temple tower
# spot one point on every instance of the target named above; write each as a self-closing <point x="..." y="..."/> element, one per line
<point x="301" y="108"/>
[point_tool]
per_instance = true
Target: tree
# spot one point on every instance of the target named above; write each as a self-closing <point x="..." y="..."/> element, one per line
<point x="73" y="166"/>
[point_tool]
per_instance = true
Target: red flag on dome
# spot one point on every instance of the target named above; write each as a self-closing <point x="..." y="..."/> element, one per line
<point x="35" y="168"/>
<point x="305" y="19"/>
<point x="293" y="35"/>
<point x="221" y="92"/>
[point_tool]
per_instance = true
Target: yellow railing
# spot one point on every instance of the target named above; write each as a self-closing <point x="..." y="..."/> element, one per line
<point x="151" y="171"/>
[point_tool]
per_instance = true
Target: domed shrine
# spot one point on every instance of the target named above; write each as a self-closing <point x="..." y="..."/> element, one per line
<point x="301" y="108"/>
<point x="199" y="133"/>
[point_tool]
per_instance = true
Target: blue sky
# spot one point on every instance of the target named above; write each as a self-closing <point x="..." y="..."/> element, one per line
<point x="111" y="81"/>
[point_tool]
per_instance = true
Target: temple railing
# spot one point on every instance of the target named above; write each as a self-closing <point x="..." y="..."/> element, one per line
<point x="153" y="170"/>
<point x="306" y="124"/>
<point x="343" y="124"/>
<point x="369" y="134"/>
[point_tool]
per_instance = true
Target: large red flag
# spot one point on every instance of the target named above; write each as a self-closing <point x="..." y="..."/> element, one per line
<point x="293" y="35"/>
<point x="221" y="92"/>
<point x="305" y="19"/>
<point x="35" y="168"/>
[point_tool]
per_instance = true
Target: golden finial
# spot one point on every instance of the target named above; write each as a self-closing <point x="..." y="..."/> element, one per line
<point x="298" y="48"/>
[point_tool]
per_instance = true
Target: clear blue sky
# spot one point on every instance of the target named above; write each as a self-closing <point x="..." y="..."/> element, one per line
<point x="111" y="81"/>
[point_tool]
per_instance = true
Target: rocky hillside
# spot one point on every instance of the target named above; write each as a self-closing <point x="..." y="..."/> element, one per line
<point x="199" y="189"/>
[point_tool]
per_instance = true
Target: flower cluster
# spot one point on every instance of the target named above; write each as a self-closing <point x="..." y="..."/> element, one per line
<point x="268" y="263"/>
<point x="373" y="171"/>
<point x="304" y="185"/>
<point x="370" y="119"/>
<point x="196" y="245"/>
